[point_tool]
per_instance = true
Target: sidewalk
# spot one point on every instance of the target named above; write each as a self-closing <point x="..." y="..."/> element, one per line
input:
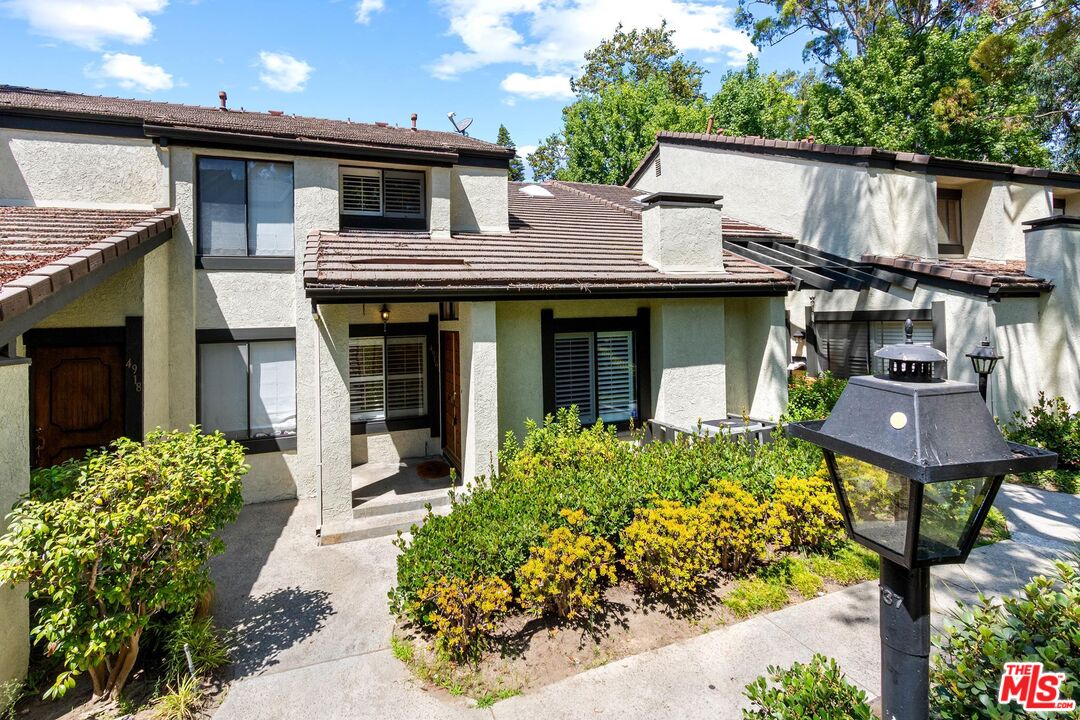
<point x="344" y="668"/>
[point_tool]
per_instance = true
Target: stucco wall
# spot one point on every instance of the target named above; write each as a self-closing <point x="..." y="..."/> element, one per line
<point x="993" y="217"/>
<point x="244" y="299"/>
<point x="157" y="357"/>
<point x="479" y="388"/>
<point x="478" y="201"/>
<point x="56" y="169"/>
<point x="690" y="337"/>
<point x="1054" y="252"/>
<point x="683" y="238"/>
<point x="14" y="481"/>
<point x="757" y="363"/>
<point x="107" y="305"/>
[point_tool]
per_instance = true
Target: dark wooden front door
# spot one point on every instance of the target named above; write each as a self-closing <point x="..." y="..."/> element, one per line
<point x="451" y="397"/>
<point x="78" y="399"/>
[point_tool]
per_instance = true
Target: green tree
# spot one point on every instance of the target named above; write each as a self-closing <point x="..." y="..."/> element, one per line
<point x="549" y="158"/>
<point x="110" y="543"/>
<point x="517" y="168"/>
<point x="750" y="103"/>
<point x="637" y="56"/>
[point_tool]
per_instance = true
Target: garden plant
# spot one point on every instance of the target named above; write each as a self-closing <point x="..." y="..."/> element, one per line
<point x="1050" y="423"/>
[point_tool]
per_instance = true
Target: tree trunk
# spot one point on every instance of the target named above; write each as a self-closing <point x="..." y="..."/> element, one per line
<point x="121" y="668"/>
<point x="96" y="676"/>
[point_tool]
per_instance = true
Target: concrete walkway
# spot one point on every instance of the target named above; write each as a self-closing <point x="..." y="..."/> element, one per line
<point x="316" y="629"/>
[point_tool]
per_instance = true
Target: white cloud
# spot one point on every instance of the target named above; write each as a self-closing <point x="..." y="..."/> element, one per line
<point x="366" y="8"/>
<point x="536" y="87"/>
<point x="87" y="23"/>
<point x="524" y="151"/>
<point x="132" y="72"/>
<point x="553" y="35"/>
<point x="281" y="71"/>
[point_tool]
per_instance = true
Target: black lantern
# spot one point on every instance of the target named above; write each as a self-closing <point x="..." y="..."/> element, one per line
<point x="916" y="463"/>
<point x="984" y="358"/>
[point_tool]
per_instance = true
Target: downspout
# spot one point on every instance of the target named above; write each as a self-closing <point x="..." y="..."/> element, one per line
<point x="319" y="327"/>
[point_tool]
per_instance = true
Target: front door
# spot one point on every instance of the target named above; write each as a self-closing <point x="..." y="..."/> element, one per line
<point x="451" y="397"/>
<point x="77" y="399"/>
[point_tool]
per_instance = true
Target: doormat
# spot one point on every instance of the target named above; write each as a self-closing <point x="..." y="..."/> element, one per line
<point x="433" y="469"/>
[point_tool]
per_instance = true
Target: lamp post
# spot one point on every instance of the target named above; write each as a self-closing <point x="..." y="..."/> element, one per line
<point x="984" y="358"/>
<point x="916" y="463"/>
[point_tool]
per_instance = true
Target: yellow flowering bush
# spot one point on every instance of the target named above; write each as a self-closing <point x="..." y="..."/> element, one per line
<point x="466" y="612"/>
<point x="567" y="573"/>
<point x="804" y="514"/>
<point x="670" y="548"/>
<point x="739" y="528"/>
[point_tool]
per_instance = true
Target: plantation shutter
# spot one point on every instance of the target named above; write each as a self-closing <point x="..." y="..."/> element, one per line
<point x="403" y="194"/>
<point x="844" y="347"/>
<point x="574" y="374"/>
<point x="615" y="390"/>
<point x="361" y="192"/>
<point x="405" y="374"/>
<point x="366" y="384"/>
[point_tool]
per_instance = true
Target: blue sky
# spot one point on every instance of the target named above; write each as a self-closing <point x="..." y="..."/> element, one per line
<point x="498" y="61"/>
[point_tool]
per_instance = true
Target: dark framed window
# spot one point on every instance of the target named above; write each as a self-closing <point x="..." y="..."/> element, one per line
<point x="846" y="343"/>
<point x="949" y="210"/>
<point x="1058" y="207"/>
<point x="601" y="365"/>
<point x="247" y="386"/>
<point x="393" y="376"/>
<point x="376" y="197"/>
<point x="448" y="310"/>
<point x="245" y="210"/>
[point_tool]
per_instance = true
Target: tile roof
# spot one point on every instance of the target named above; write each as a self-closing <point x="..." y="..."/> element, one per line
<point x="44" y="249"/>
<point x="908" y="161"/>
<point x="292" y="127"/>
<point x="582" y="239"/>
<point x="996" y="277"/>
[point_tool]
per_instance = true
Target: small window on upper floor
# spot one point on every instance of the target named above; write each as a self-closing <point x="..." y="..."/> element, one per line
<point x="371" y="197"/>
<point x="245" y="208"/>
<point x="950" y="228"/>
<point x="1058" y="207"/>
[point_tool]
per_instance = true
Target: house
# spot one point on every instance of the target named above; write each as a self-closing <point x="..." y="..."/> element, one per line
<point x="967" y="250"/>
<point x="335" y="294"/>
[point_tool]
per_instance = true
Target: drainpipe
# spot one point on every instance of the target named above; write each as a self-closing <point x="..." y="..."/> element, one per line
<point x="319" y="326"/>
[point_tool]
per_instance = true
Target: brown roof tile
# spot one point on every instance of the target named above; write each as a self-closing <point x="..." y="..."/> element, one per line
<point x="293" y="127"/>
<point x="585" y="238"/>
<point x="1008" y="276"/>
<point x="43" y="249"/>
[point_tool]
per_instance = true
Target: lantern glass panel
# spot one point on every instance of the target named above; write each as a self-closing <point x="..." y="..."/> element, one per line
<point x="949" y="509"/>
<point x="878" y="502"/>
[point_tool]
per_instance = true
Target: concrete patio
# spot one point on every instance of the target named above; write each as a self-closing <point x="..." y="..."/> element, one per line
<point x="315" y="629"/>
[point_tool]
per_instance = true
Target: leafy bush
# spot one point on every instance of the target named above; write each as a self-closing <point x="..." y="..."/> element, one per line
<point x="1050" y="424"/>
<point x="738" y="526"/>
<point x="804" y="514"/>
<point x="10" y="693"/>
<point x="812" y="398"/>
<point x="670" y="548"/>
<point x="1042" y="624"/>
<point x="108" y="544"/>
<point x="465" y="612"/>
<point x="490" y="531"/>
<point x="567" y="573"/>
<point x="183" y="700"/>
<point x="815" y="690"/>
<point x="208" y="645"/>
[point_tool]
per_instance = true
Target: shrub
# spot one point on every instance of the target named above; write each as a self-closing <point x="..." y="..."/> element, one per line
<point x="804" y="514"/>
<point x="183" y="700"/>
<point x="209" y="646"/>
<point x="1041" y="624"/>
<point x="11" y="692"/>
<point x="465" y="612"/>
<point x="108" y="544"/>
<point x="669" y="548"/>
<point x="567" y="573"/>
<point x="738" y="526"/>
<point x="1050" y="424"/>
<point x="812" y="398"/>
<point x="815" y="690"/>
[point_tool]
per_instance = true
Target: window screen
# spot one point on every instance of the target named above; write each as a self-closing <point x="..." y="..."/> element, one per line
<point x="595" y="371"/>
<point x="387" y="377"/>
<point x="245" y="208"/>
<point x="247" y="390"/>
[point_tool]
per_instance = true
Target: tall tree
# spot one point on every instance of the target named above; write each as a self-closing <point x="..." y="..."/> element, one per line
<point x="750" y="103"/>
<point x="517" y="168"/>
<point x="549" y="158"/>
<point x="637" y="56"/>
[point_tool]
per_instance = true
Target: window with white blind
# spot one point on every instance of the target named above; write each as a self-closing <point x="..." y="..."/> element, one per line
<point x="595" y="371"/>
<point x="247" y="389"/>
<point x="846" y="348"/>
<point x="387" y="377"/>
<point x="385" y="193"/>
<point x="245" y="208"/>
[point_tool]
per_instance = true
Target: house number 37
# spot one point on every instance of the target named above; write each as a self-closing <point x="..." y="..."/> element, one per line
<point x="890" y="598"/>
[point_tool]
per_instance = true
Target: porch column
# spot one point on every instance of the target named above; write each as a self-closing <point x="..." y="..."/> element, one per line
<point x="157" y="353"/>
<point x="333" y="470"/>
<point x="479" y="389"/>
<point x="14" y="481"/>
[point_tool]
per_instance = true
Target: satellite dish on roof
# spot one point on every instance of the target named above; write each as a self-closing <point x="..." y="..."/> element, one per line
<point x="462" y="126"/>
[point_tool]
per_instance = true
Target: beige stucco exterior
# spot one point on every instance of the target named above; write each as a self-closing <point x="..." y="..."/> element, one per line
<point x="683" y="237"/>
<point x="14" y="481"/>
<point x="478" y="200"/>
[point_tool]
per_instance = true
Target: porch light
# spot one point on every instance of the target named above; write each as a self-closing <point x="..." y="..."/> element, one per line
<point x="984" y="358"/>
<point x="916" y="463"/>
<point x="384" y="313"/>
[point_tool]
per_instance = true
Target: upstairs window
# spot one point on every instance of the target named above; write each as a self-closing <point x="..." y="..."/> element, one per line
<point x="382" y="198"/>
<point x="245" y="208"/>
<point x="950" y="229"/>
<point x="1058" y="207"/>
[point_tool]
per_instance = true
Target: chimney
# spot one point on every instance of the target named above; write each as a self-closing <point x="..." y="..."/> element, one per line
<point x="223" y="97"/>
<point x="682" y="232"/>
<point x="414" y="121"/>
<point x="276" y="113"/>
